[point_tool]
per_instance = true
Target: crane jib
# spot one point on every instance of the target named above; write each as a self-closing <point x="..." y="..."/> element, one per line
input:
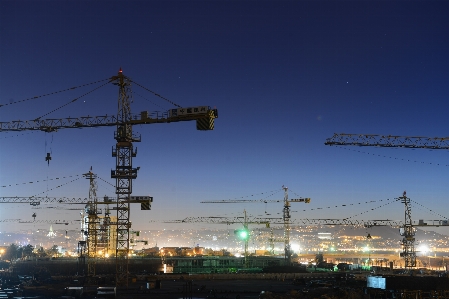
<point x="202" y="114"/>
<point x="389" y="141"/>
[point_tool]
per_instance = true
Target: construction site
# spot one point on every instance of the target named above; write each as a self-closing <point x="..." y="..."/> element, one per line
<point x="106" y="242"/>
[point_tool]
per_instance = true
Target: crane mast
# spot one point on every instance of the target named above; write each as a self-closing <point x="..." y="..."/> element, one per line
<point x="286" y="218"/>
<point x="92" y="225"/>
<point x="123" y="174"/>
<point x="408" y="233"/>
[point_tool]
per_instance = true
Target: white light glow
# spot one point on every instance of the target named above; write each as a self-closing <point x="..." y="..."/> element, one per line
<point x="295" y="247"/>
<point x="424" y="248"/>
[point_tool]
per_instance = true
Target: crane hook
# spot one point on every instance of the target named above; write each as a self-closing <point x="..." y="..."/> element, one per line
<point x="48" y="158"/>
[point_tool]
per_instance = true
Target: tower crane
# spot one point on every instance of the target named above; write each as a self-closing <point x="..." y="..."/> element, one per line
<point x="408" y="233"/>
<point x="124" y="151"/>
<point x="406" y="228"/>
<point x="242" y="234"/>
<point x="402" y="142"/>
<point x="285" y="216"/>
<point x="93" y="223"/>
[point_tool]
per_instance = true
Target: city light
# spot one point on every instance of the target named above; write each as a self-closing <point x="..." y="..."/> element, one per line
<point x="295" y="247"/>
<point x="424" y="249"/>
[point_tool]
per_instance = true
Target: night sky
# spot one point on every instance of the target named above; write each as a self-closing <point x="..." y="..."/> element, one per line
<point x="284" y="76"/>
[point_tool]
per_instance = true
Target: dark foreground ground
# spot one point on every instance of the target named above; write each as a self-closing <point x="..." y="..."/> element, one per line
<point x="244" y="288"/>
<point x="212" y="288"/>
<point x="324" y="285"/>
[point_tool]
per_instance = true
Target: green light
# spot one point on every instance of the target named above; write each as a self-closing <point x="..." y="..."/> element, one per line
<point x="242" y="234"/>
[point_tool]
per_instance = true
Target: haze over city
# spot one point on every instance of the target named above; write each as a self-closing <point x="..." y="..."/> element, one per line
<point x="283" y="75"/>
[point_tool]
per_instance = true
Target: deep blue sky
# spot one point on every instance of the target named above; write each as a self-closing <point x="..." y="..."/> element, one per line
<point x="284" y="76"/>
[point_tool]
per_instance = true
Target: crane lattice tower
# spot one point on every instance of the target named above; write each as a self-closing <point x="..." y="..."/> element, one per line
<point x="408" y="233"/>
<point x="124" y="174"/>
<point x="91" y="210"/>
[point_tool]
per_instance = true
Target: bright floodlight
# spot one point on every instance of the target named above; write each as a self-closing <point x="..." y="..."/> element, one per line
<point x="424" y="248"/>
<point x="295" y="247"/>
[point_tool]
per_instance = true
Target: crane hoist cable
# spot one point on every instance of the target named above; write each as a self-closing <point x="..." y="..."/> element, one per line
<point x="72" y="101"/>
<point x="372" y="209"/>
<point x="141" y="96"/>
<point x="343" y="205"/>
<point x="156" y="94"/>
<point x="431" y="211"/>
<point x="238" y="199"/>
<point x="52" y="93"/>
<point x="32" y="182"/>
<point x="17" y="135"/>
<point x="390" y="157"/>
<point x="106" y="186"/>
<point x="51" y="189"/>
